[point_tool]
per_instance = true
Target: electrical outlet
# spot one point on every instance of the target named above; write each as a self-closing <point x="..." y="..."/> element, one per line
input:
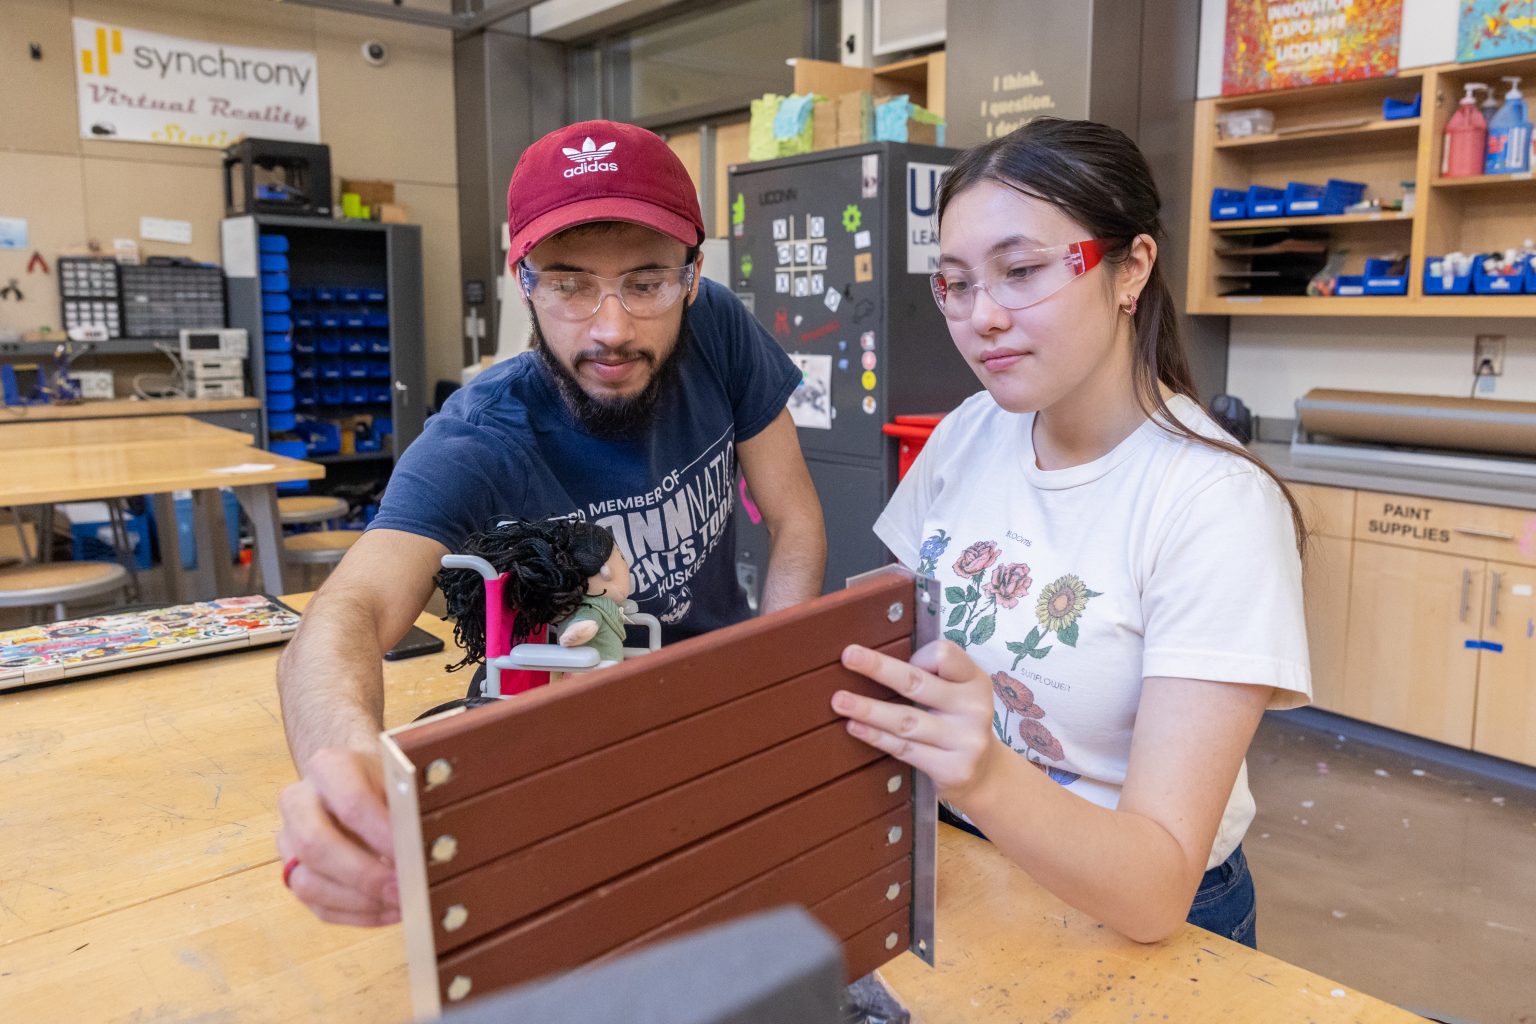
<point x="1488" y="351"/>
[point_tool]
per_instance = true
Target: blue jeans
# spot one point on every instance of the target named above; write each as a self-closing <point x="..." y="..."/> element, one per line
<point x="1223" y="904"/>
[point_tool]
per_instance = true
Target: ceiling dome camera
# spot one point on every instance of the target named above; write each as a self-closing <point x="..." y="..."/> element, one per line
<point x="375" y="53"/>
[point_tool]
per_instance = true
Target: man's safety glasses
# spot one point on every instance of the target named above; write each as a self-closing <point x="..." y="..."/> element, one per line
<point x="1016" y="280"/>
<point x="575" y="295"/>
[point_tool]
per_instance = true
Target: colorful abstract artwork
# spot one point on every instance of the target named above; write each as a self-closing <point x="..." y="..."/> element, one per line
<point x="1284" y="44"/>
<point x="1495" y="28"/>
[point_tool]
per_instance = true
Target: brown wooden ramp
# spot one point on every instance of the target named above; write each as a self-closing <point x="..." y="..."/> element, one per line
<point x="704" y="781"/>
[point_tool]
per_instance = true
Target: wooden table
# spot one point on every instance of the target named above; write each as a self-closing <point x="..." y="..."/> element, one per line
<point x="103" y="408"/>
<point x="139" y="881"/>
<point x="45" y="476"/>
<point x="122" y="432"/>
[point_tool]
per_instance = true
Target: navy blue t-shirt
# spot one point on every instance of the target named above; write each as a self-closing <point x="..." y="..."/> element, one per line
<point x="506" y="446"/>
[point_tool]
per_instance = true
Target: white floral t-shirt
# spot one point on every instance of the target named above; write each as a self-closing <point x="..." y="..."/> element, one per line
<point x="1069" y="587"/>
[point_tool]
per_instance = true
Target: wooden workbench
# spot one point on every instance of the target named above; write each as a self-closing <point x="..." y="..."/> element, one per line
<point x="121" y="432"/>
<point x="139" y="881"/>
<point x="108" y="408"/>
<point x="46" y="476"/>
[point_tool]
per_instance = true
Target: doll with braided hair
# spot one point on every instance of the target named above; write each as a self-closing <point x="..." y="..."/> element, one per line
<point x="557" y="569"/>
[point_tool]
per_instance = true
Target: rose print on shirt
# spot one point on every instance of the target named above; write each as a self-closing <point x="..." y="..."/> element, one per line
<point x="928" y="554"/>
<point x="973" y="608"/>
<point x="1060" y="605"/>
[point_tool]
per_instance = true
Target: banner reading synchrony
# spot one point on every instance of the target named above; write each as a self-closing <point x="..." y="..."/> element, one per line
<point x="145" y="87"/>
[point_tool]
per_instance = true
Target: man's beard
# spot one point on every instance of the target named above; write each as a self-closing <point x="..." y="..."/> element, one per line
<point x="620" y="417"/>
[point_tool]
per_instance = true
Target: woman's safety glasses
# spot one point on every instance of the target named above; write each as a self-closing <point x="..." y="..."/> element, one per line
<point x="1015" y="280"/>
<point x="574" y="295"/>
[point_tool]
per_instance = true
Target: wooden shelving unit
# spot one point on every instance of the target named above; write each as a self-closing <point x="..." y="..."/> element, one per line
<point x="1336" y="131"/>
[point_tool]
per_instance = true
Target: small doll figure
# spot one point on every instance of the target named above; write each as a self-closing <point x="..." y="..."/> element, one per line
<point x="599" y="620"/>
<point x="557" y="569"/>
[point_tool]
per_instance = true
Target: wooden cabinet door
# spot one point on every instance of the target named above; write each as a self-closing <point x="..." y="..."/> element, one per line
<point x="1406" y="660"/>
<point x="1506" y="680"/>
<point x="1325" y="583"/>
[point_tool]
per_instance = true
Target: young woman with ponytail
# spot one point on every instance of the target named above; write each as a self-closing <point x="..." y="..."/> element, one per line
<point x="1122" y="581"/>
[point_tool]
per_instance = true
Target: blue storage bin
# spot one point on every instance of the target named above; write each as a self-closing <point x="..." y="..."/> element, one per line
<point x="306" y="397"/>
<point x="272" y="243"/>
<point x="1382" y="277"/>
<point x="1393" y="110"/>
<point x="1349" y="285"/>
<point x="354" y="321"/>
<point x="302" y="294"/>
<point x="330" y="370"/>
<point x="274" y="283"/>
<point x="1439" y="284"/>
<point x="1386" y="284"/>
<point x="280" y="401"/>
<point x="378" y="371"/>
<point x="305" y="371"/>
<point x="330" y="321"/>
<point x="280" y="421"/>
<point x="276" y="323"/>
<point x="379" y="394"/>
<point x="357" y="394"/>
<point x="378" y="344"/>
<point x="275" y="302"/>
<point x="320" y="438"/>
<point x="333" y="395"/>
<point x="377" y="320"/>
<point x="373" y="295"/>
<point x="279" y="382"/>
<point x="280" y="364"/>
<point x="277" y="344"/>
<point x="1528" y="277"/>
<point x="328" y="344"/>
<point x="354" y="346"/>
<point x="350" y="295"/>
<point x="93" y="540"/>
<point x="356" y="370"/>
<point x="304" y="345"/>
<point x="185" y="534"/>
<point x="1497" y="284"/>
<point x="292" y="450"/>
<point x="1264" y="201"/>
<point x="1228" y="204"/>
<point x="304" y="320"/>
<point x="273" y="263"/>
<point x="1303" y="199"/>
<point x="383" y="426"/>
<point x="325" y="295"/>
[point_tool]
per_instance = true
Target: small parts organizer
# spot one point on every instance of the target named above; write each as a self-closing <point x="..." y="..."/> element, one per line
<point x="327" y="356"/>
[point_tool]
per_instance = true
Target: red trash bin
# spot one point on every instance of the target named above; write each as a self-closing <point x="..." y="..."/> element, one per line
<point x="911" y="433"/>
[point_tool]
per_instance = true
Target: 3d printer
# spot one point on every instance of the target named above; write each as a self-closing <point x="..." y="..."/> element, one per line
<point x="272" y="176"/>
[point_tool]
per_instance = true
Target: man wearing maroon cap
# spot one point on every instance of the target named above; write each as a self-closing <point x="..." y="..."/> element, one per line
<point x="645" y="387"/>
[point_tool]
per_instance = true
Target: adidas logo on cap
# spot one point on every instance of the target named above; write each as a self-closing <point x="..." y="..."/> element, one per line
<point x="589" y="158"/>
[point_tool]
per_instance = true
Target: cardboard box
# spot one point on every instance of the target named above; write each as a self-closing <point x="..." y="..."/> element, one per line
<point x="855" y="118"/>
<point x="371" y="193"/>
<point x="824" y="125"/>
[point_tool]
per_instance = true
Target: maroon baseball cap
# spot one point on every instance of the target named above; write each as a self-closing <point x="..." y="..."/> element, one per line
<point x="600" y="170"/>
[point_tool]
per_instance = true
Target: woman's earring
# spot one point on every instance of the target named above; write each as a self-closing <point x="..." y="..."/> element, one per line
<point x="1129" y="306"/>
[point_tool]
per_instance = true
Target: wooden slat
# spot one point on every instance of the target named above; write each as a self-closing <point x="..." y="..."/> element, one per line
<point x="868" y="900"/>
<point x="523" y="812"/>
<point x="560" y="867"/>
<point x="838" y="893"/>
<point x="873" y="947"/>
<point x="500" y="743"/>
<point x="706" y="881"/>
